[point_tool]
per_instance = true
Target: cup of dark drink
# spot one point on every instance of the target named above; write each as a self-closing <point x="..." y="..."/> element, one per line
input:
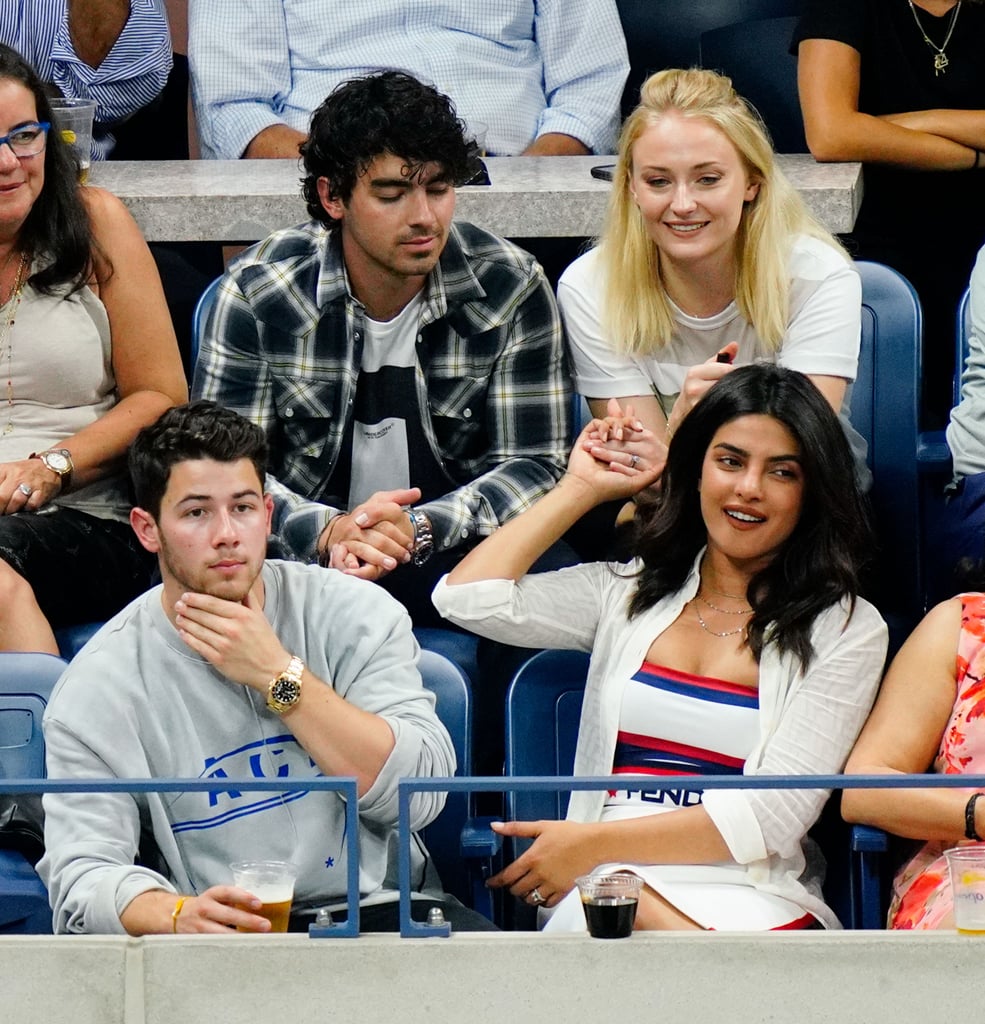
<point x="272" y="882"/>
<point x="610" y="903"/>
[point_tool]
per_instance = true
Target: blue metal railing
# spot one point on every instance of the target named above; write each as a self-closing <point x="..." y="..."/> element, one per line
<point x="407" y="787"/>
<point x="553" y="784"/>
<point x="349" y="929"/>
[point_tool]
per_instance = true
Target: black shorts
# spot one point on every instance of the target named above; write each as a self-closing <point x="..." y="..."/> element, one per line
<point x="82" y="568"/>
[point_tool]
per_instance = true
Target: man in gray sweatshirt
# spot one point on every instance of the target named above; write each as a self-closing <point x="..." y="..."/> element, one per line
<point x="233" y="667"/>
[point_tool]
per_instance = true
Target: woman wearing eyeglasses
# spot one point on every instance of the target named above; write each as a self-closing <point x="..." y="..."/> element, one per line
<point x="87" y="357"/>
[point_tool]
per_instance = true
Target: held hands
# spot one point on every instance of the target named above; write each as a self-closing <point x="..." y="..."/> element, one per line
<point x="624" y="443"/>
<point x="697" y="382"/>
<point x="562" y="850"/>
<point x="221" y="908"/>
<point x="234" y="637"/>
<point x="374" y="538"/>
<point x="26" y="485"/>
<point x="617" y="457"/>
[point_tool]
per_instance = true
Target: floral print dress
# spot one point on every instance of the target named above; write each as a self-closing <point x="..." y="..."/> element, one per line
<point x="922" y="889"/>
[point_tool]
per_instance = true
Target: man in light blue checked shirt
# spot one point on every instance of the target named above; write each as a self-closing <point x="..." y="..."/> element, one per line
<point x="116" y="52"/>
<point x="408" y="371"/>
<point x="544" y="76"/>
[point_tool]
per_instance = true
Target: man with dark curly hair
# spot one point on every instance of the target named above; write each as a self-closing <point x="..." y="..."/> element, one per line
<point x="408" y="371"/>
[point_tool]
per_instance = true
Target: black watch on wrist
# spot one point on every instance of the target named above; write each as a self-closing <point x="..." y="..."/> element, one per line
<point x="423" y="547"/>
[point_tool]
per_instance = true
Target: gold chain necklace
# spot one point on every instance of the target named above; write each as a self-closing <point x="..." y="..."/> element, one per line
<point x="6" y="337"/>
<point x="714" y="632"/>
<point x="940" y="57"/>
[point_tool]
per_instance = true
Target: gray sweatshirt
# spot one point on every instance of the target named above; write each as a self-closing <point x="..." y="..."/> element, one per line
<point x="138" y="703"/>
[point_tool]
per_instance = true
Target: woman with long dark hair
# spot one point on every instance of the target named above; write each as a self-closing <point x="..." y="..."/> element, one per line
<point x="87" y="357"/>
<point x="735" y="642"/>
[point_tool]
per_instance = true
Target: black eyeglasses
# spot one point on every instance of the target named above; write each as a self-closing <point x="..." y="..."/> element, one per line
<point x="28" y="140"/>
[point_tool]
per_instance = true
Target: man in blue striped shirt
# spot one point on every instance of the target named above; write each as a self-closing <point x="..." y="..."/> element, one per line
<point x="544" y="76"/>
<point x="116" y="52"/>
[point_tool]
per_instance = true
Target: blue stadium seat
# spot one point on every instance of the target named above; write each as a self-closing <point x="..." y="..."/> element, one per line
<point x="71" y="639"/>
<point x="463" y="870"/>
<point x="460" y="648"/>
<point x="962" y="339"/>
<point x="543" y="708"/>
<point x="885" y="403"/>
<point x="201" y="317"/>
<point x="26" y="682"/>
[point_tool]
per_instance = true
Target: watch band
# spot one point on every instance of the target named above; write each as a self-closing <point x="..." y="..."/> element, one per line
<point x="284" y="691"/>
<point x="969" y="818"/>
<point x="423" y="546"/>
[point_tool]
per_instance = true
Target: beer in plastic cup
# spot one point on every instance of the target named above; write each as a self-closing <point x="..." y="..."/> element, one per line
<point x="272" y="882"/>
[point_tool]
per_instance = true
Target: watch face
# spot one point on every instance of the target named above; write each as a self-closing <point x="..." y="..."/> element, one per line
<point x="285" y="690"/>
<point x="57" y="462"/>
<point x="423" y="552"/>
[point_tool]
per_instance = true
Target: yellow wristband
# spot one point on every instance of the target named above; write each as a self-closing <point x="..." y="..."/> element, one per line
<point x="176" y="912"/>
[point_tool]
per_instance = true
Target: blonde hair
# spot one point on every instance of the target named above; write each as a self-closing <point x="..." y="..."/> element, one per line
<point x="637" y="312"/>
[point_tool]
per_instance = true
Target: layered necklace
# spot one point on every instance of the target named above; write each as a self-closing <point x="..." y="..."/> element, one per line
<point x="699" y="600"/>
<point x="6" y="328"/>
<point x="940" y="57"/>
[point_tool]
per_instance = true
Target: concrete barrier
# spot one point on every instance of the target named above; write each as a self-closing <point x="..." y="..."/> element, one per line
<point x="803" y="978"/>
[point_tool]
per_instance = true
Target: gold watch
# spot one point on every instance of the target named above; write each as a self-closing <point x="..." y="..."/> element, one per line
<point x="284" y="690"/>
<point x="58" y="460"/>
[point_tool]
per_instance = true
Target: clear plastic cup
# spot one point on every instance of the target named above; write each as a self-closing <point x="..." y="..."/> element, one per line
<point x="966" y="865"/>
<point x="610" y="902"/>
<point x="272" y="882"/>
<point x="73" y="119"/>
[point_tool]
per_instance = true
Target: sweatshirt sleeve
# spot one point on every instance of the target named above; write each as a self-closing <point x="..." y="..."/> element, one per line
<point x="91" y="842"/>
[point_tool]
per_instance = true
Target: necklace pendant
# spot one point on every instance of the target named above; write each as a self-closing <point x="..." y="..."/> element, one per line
<point x="940" y="63"/>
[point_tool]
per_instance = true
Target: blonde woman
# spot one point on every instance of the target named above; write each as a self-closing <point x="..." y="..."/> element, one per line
<point x="708" y="260"/>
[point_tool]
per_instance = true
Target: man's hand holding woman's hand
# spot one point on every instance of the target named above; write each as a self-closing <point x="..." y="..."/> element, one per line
<point x="374" y="538"/>
<point x="621" y="444"/>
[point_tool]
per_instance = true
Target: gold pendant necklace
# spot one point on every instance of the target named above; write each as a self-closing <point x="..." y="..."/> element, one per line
<point x="6" y="337"/>
<point x="940" y="57"/>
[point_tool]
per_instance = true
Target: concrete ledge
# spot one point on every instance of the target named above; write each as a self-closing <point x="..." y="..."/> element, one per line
<point x="805" y="977"/>
<point x="243" y="200"/>
<point x="48" y="980"/>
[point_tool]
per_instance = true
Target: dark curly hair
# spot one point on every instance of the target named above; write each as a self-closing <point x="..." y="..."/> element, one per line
<point x="819" y="564"/>
<point x="58" y="224"/>
<point x="386" y="112"/>
<point x="196" y="430"/>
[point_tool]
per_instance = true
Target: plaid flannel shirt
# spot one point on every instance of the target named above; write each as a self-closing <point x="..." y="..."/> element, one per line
<point x="283" y="347"/>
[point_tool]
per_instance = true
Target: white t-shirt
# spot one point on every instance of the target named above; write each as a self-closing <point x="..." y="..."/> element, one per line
<point x="822" y="336"/>
<point x="380" y="451"/>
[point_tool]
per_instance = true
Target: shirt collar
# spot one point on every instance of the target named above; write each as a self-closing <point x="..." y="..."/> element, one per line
<point x="451" y="284"/>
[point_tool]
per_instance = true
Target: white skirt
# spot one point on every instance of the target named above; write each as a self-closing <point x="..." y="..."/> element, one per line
<point x="713" y="896"/>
